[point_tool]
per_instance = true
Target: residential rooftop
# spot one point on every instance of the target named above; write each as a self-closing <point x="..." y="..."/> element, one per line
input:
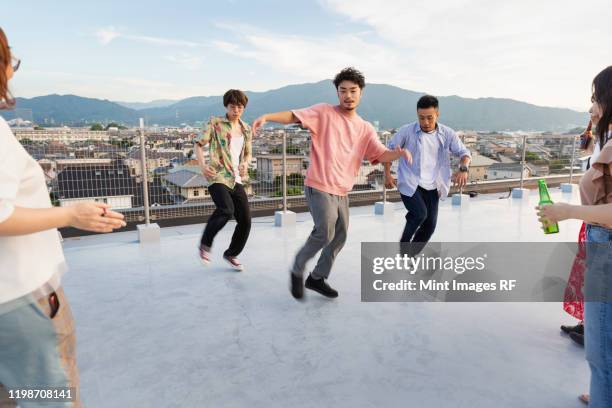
<point x="156" y="328"/>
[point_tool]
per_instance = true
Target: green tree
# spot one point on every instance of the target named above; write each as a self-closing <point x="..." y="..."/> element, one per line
<point x="115" y="125"/>
<point x="293" y="191"/>
<point x="96" y="126"/>
<point x="556" y="165"/>
<point x="293" y="179"/>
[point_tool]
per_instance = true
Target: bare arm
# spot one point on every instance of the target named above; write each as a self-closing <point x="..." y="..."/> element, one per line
<point x="87" y="216"/>
<point x="392" y="155"/>
<point x="390" y="181"/>
<point x="591" y="214"/>
<point x="284" y="118"/>
<point x="207" y="170"/>
<point x="199" y="151"/>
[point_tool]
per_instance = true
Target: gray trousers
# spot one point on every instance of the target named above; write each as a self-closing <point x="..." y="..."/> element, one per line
<point x="331" y="215"/>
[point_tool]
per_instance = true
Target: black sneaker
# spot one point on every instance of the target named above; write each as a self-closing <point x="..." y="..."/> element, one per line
<point x="319" y="285"/>
<point x="578" y="338"/>
<point x="579" y="328"/>
<point x="297" y="286"/>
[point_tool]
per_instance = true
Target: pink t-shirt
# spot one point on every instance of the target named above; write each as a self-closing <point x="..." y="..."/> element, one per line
<point x="339" y="144"/>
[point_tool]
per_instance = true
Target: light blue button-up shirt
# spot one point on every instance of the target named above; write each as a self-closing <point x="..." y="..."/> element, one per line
<point x="409" y="137"/>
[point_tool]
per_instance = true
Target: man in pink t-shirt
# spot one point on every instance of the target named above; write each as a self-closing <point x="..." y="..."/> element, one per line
<point x="340" y="141"/>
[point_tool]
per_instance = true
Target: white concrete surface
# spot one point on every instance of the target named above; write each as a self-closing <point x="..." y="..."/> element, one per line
<point x="158" y="329"/>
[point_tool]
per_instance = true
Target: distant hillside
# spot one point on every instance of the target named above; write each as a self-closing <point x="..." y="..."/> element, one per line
<point x="159" y="103"/>
<point x="72" y="109"/>
<point x="389" y="105"/>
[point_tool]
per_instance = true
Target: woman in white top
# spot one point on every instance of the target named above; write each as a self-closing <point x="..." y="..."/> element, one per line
<point x="37" y="339"/>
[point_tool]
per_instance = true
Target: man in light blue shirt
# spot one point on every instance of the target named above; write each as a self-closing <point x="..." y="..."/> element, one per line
<point x="422" y="183"/>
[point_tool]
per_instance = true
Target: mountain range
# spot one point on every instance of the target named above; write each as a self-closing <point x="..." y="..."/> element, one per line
<point x="391" y="106"/>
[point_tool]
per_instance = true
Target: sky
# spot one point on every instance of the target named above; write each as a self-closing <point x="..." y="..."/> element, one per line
<point x="539" y="51"/>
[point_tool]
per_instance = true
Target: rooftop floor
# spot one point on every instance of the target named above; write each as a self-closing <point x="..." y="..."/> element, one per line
<point x="157" y="329"/>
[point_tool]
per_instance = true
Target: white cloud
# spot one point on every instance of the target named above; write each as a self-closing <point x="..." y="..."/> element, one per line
<point x="107" y="35"/>
<point x="311" y="58"/>
<point x="226" y="46"/>
<point x="542" y="51"/>
<point x="188" y="61"/>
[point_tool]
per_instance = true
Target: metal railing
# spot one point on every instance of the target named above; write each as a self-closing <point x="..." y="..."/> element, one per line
<point x="151" y="177"/>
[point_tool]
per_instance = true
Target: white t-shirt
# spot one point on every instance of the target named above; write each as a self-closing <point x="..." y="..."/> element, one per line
<point x="596" y="151"/>
<point x="31" y="263"/>
<point x="429" y="159"/>
<point x="597" y="148"/>
<point x="236" y="150"/>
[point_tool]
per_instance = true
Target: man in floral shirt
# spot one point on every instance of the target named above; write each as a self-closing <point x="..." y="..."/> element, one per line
<point x="229" y="141"/>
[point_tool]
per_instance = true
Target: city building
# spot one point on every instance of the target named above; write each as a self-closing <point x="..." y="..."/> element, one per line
<point x="479" y="166"/>
<point x="270" y="166"/>
<point x="186" y="185"/>
<point x="155" y="159"/>
<point x="63" y="135"/>
<point x="111" y="185"/>
<point x="499" y="171"/>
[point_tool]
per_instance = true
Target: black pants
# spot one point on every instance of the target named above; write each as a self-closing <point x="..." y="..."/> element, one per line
<point x="229" y="203"/>
<point x="422" y="216"/>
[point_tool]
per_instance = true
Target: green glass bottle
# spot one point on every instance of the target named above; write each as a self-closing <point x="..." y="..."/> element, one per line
<point x="545" y="200"/>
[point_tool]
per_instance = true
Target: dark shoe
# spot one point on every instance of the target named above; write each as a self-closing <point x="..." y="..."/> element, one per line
<point x="297" y="286"/>
<point x="578" y="338"/>
<point x="319" y="285"/>
<point x="579" y="328"/>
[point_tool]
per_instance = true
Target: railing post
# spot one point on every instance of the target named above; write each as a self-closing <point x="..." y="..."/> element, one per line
<point x="384" y="184"/>
<point x="147" y="232"/>
<point x="461" y="188"/>
<point x="284" y="172"/>
<point x="573" y="159"/>
<point x="567" y="187"/>
<point x="457" y="198"/>
<point x="523" y="160"/>
<point x="522" y="192"/>
<point x="284" y="218"/>
<point x="145" y="176"/>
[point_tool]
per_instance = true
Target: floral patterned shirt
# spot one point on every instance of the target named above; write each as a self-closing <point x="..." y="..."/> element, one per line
<point x="218" y="133"/>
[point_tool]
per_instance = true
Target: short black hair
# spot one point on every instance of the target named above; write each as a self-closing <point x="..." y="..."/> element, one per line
<point x="427" y="101"/>
<point x="235" y="97"/>
<point x="350" y="74"/>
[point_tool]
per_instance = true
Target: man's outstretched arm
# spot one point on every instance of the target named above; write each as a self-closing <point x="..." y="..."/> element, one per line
<point x="392" y="155"/>
<point x="284" y="118"/>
